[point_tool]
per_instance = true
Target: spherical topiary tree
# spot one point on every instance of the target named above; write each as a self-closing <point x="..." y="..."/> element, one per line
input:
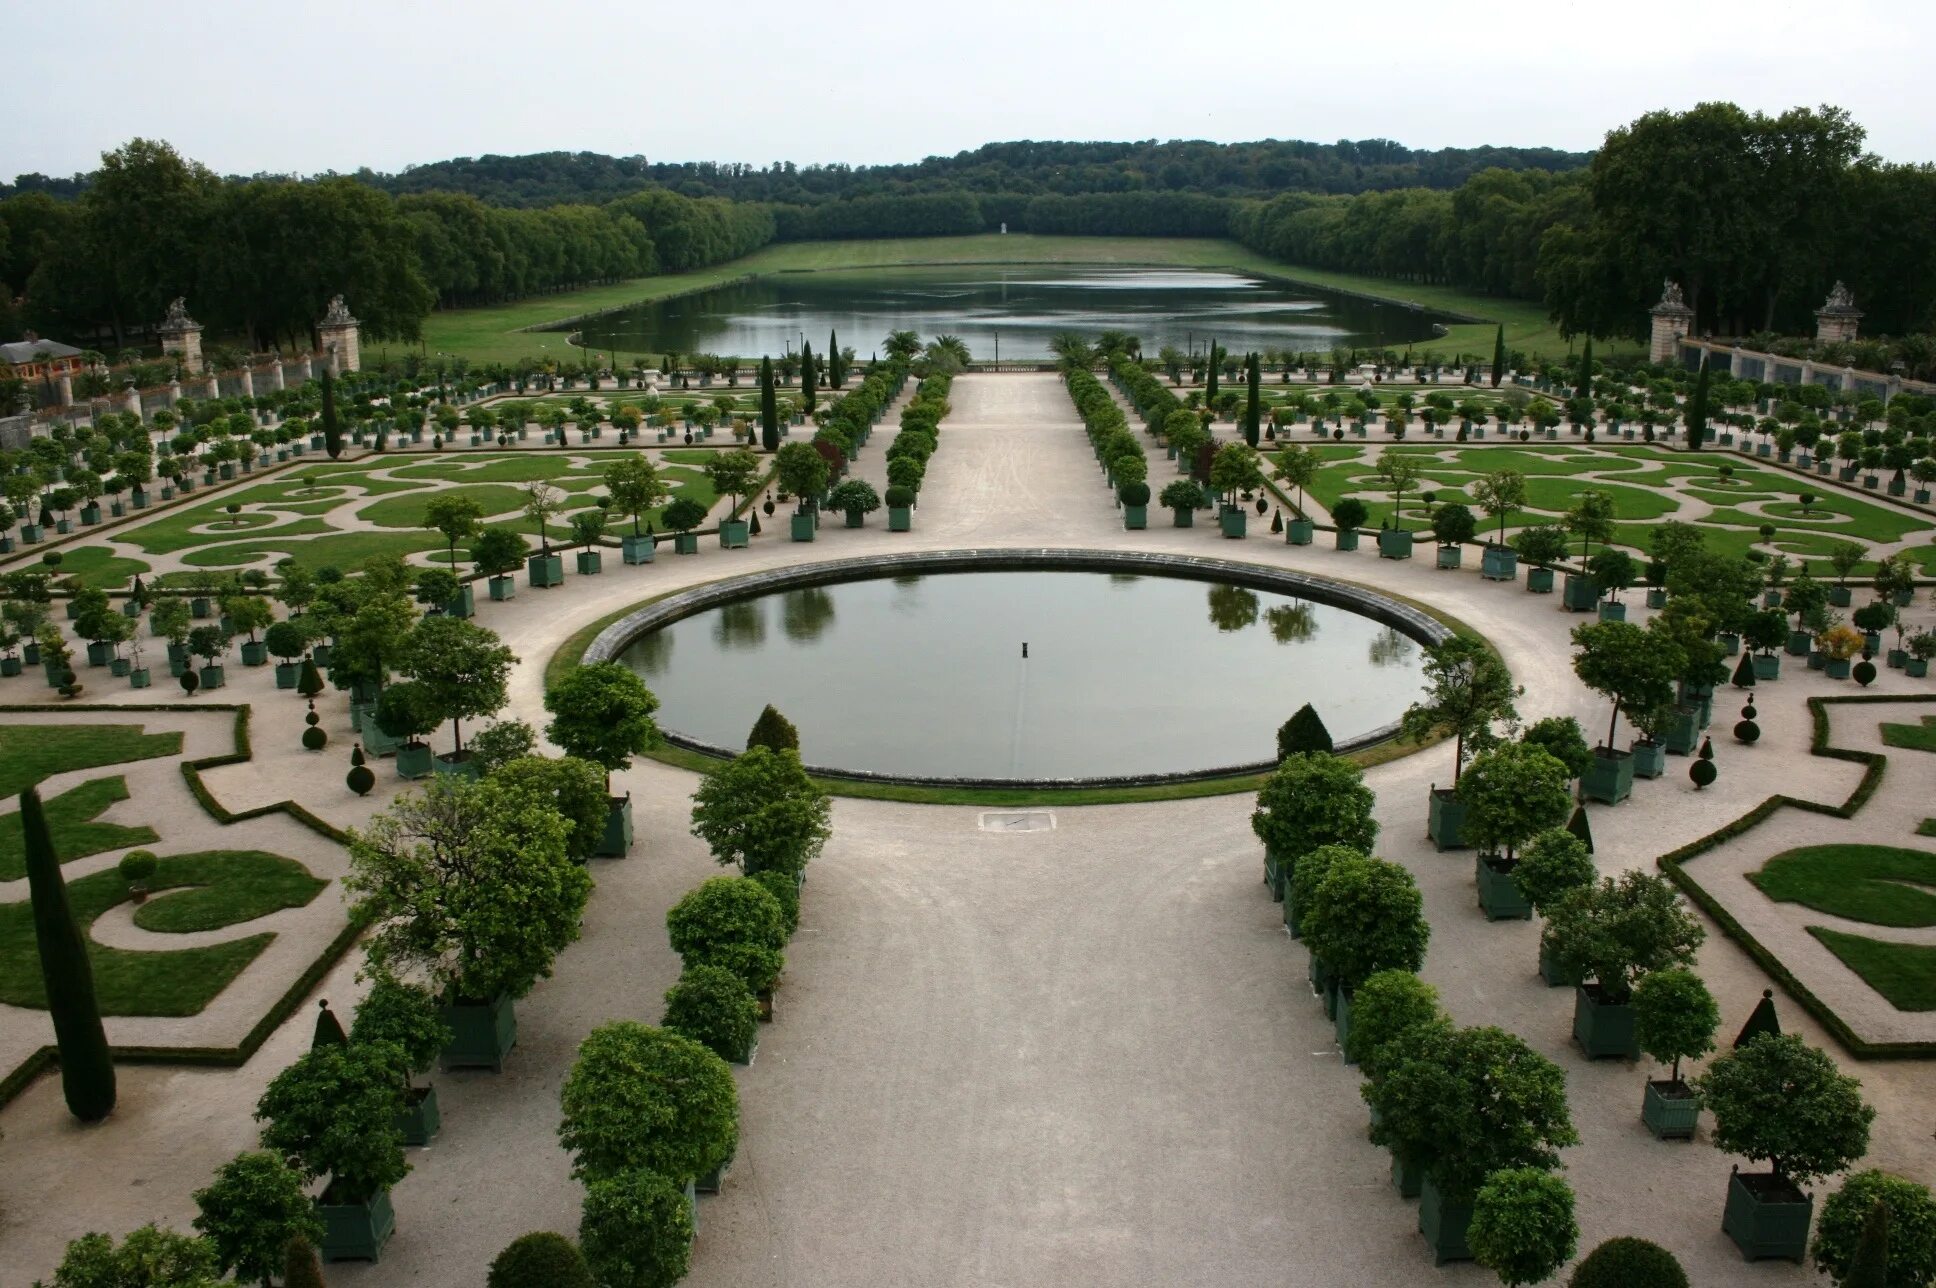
<point x="361" y="777"/>
<point x="1388" y="1005"/>
<point x="785" y="888"/>
<point x="762" y="811"/>
<point x="1674" y="1018"/>
<point x="640" y="1097"/>
<point x="540" y="1259"/>
<point x="714" y="1008"/>
<point x="249" y="1213"/>
<point x="405" y="1014"/>
<point x="1312" y="868"/>
<point x="333" y="1112"/>
<point x="1522" y="1225"/>
<point x="602" y="713"/>
<point x="1553" y="862"/>
<point x="1512" y="794"/>
<point x="1627" y="1262"/>
<point x="731" y="922"/>
<point x="1910" y="1216"/>
<point x="1780" y="1100"/>
<point x="1313" y="799"/>
<point x="1364" y="916"/>
<point x="636" y="1230"/>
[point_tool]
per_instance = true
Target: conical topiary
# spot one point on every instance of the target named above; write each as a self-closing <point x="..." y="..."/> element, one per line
<point x="1702" y="771"/>
<point x="773" y="731"/>
<point x="1870" y="1268"/>
<point x="302" y="1269"/>
<point x="310" y="682"/>
<point x="329" y="1029"/>
<point x="1304" y="731"/>
<point x="1277" y="521"/>
<point x="1746" y="730"/>
<point x="1744" y="675"/>
<point x="1579" y="826"/>
<point x="87" y="1068"/>
<point x="360" y="778"/>
<point x="1762" y="1023"/>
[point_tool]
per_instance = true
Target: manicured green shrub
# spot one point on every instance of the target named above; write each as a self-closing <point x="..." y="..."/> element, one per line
<point x="1522" y="1225"/>
<point x="87" y="1067"/>
<point x="1675" y="1017"/>
<point x="1622" y="929"/>
<point x="1512" y="794"/>
<point x="301" y="1268"/>
<point x="900" y="496"/>
<point x="640" y="1097"/>
<point x="636" y="1230"/>
<point x="1364" y="916"/>
<point x="1910" y="1220"/>
<point x="761" y="811"/>
<point x="1386" y="1006"/>
<point x="252" y="1210"/>
<point x="149" y="1256"/>
<point x="540" y="1259"/>
<point x="602" y="713"/>
<point x="1561" y="738"/>
<point x="1627" y="1262"/>
<point x="333" y="1112"/>
<point x="773" y="731"/>
<point x="137" y="868"/>
<point x="405" y="1015"/>
<point x="1780" y="1100"/>
<point x="731" y="922"/>
<point x="1349" y="514"/>
<point x="783" y="887"/>
<point x="1304" y="731"/>
<point x="1309" y="871"/>
<point x="714" y="1008"/>
<point x="1313" y="799"/>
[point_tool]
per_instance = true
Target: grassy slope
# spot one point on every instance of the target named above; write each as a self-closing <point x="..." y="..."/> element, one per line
<point x="492" y="334"/>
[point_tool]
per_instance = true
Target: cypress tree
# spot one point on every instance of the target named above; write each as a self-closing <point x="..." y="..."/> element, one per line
<point x="332" y="428"/>
<point x="769" y="408"/>
<point x="1498" y="354"/>
<point x="836" y="365"/>
<point x="1253" y="409"/>
<point x="1585" y="389"/>
<point x="1870" y="1268"/>
<point x="1210" y="380"/>
<point x="1304" y="731"/>
<point x="302" y="1269"/>
<point x="806" y="377"/>
<point x="1697" y="410"/>
<point x="87" y="1069"/>
<point x="1579" y="826"/>
<point x="773" y="731"/>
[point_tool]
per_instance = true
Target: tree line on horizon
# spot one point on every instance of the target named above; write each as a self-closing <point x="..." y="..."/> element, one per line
<point x="1755" y="215"/>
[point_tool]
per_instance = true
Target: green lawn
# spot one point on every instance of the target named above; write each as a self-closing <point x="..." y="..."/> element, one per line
<point x="1878" y="884"/>
<point x="344" y="550"/>
<point x="217" y="889"/>
<point x="101" y="567"/>
<point x="1916" y="737"/>
<point x="1905" y="974"/>
<point x="30" y="753"/>
<point x="493" y="334"/>
<point x="70" y="820"/>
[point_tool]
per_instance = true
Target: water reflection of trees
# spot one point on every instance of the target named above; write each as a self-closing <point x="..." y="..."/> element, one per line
<point x="650" y="653"/>
<point x="806" y="613"/>
<point x="1389" y="647"/>
<point x="740" y="626"/>
<point x="1291" y="623"/>
<point x="1232" y="608"/>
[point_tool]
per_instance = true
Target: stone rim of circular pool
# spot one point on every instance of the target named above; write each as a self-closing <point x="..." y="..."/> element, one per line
<point x="1412" y="622"/>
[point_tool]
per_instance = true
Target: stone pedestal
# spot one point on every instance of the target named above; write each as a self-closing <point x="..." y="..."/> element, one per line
<point x="181" y="336"/>
<point x="1837" y="319"/>
<point x="339" y="333"/>
<point x="1672" y="319"/>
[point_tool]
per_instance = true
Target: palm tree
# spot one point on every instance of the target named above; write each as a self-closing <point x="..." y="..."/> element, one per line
<point x="952" y="345"/>
<point x="1072" y="351"/>
<point x="902" y="344"/>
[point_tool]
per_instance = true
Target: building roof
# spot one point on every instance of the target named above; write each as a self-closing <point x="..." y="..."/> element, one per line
<point x="20" y="352"/>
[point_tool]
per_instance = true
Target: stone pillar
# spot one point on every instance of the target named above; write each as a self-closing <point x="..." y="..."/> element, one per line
<point x="64" y="388"/>
<point x="248" y="383"/>
<point x="339" y="333"/>
<point x="131" y="400"/>
<point x="174" y="392"/>
<point x="1672" y="320"/>
<point x="1836" y="320"/>
<point x="181" y="336"/>
<point x="214" y="387"/>
<point x="275" y="376"/>
<point x="1734" y="363"/>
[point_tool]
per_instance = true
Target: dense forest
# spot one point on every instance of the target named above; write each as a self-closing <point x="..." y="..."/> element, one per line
<point x="1755" y="215"/>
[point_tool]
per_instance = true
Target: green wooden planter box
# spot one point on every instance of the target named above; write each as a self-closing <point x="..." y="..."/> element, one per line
<point x="545" y="570"/>
<point x="1838" y="668"/>
<point x="1764" y="1223"/>
<point x="1671" y="1110"/>
<point x="1450" y="556"/>
<point x="1656" y="597"/>
<point x="1298" y="532"/>
<point x="590" y="563"/>
<point x="356" y="1231"/>
<point x="1290" y="907"/>
<point x="802" y="527"/>
<point x="1183" y="518"/>
<point x="639" y="549"/>
<point x="733" y="533"/>
<point x="99" y="653"/>
<point x="1916" y="668"/>
<point x="287" y="673"/>
<point x="1394" y="543"/>
<point x="711" y="1181"/>
<point x="1612" y="610"/>
<point x="1840" y="596"/>
<point x="1800" y="644"/>
<point x="419" y="1118"/>
<point x="1347" y="540"/>
<point x="1499" y="896"/>
<point x="414" y="759"/>
<point x="617" y="840"/>
<point x="463" y="603"/>
<point x="212" y="677"/>
<point x="10" y="666"/>
<point x="1274" y="875"/>
<point x="138" y="678"/>
<point x="685" y="543"/>
<point x="465" y="768"/>
<point x="1341" y="1018"/>
<point x="1445" y="820"/>
<point x="1609" y="776"/>
<point x="502" y="588"/>
<point x="119" y="666"/>
<point x="1499" y="563"/>
<point x="1580" y="594"/>
<point x="1135" y="517"/>
<point x="1767" y="666"/>
<point x="1649" y="759"/>
<point x="900" y="518"/>
<point x="255" y="653"/>
<point x="1603" y="1028"/>
<point x="1556" y="970"/>
<point x="481" y="1034"/>
<point x="1539" y="581"/>
<point x="1407" y="1178"/>
<point x="1444" y="1224"/>
<point x="1234" y="520"/>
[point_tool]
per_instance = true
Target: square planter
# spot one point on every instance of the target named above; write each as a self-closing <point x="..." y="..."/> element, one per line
<point x="1838" y="668"/>
<point x="10" y="667"/>
<point x="1394" y="543"/>
<point x="1445" y="820"/>
<point x="1767" y="666"/>
<point x="544" y="571"/>
<point x="1670" y="1109"/>
<point x="1539" y="581"/>
<point x="900" y="518"/>
<point x="1449" y="556"/>
<point x="1799" y="643"/>
<point x="1612" y="610"/>
<point x="1649" y="758"/>
<point x="287" y="673"/>
<point x="420" y="1118"/>
<point x="1341" y="1017"/>
<point x="638" y="549"/>
<point x="617" y="840"/>
<point x="456" y="768"/>
<point x="1603" y="1028"/>
<point x="1183" y="518"/>
<point x="1347" y="540"/>
<point x="802" y="527"/>
<point x="685" y="543"/>
<point x="1609" y="778"/>
<point x="138" y="678"/>
<point x="120" y="666"/>
<point x="99" y="653"/>
<point x="1298" y="532"/>
<point x="1444" y="1224"/>
<point x="1275" y="875"/>
<point x="212" y="677"/>
<point x="482" y="1034"/>
<point x="502" y="588"/>
<point x="1135" y="517"/>
<point x="1234" y="520"/>
<point x="355" y="1231"/>
<point x="1499" y="896"/>
<point x="1407" y="1178"/>
<point x="590" y="563"/>
<point x="1499" y="563"/>
<point x="710" y="1182"/>
<point x="255" y="653"/>
<point x="733" y="533"/>
<point x="1840" y="596"/>
<point x="463" y="603"/>
<point x="1580" y="594"/>
<point x="414" y="759"/>
<point x="1767" y="1217"/>
<point x="375" y="741"/>
<point x="1656" y="597"/>
<point x="1916" y="668"/>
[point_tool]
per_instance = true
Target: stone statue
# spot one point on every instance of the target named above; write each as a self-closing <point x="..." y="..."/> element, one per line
<point x="178" y="314"/>
<point x="1670" y="293"/>
<point x="1840" y="299"/>
<point x="338" y="313"/>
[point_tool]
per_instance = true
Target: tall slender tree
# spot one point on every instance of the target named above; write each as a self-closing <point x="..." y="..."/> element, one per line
<point x="87" y="1069"/>
<point x="836" y="365"/>
<point x="1697" y="410"/>
<point x="769" y="408"/>
<point x="806" y="376"/>
<point x="1585" y="389"/>
<point x="332" y="427"/>
<point x="1498" y="354"/>
<point x="1253" y="407"/>
<point x="1210" y="380"/>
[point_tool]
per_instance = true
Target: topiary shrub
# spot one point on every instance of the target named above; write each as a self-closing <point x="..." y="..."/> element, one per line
<point x="1910" y="1218"/>
<point x="1553" y="863"/>
<point x="251" y="1212"/>
<point x="732" y="922"/>
<point x="1627" y="1262"/>
<point x="540" y="1259"/>
<point x="1133" y="493"/>
<point x="1304" y="731"/>
<point x="1350" y="513"/>
<point x="137" y="868"/>
<point x="784" y="887"/>
<point x="1387" y="1006"/>
<point x="1523" y="1227"/>
<point x="899" y="497"/>
<point x="714" y="1008"/>
<point x="1561" y="738"/>
<point x="1365" y="915"/>
<point x="361" y="778"/>
<point x="640" y="1097"/>
<point x="1778" y="1099"/>
<point x="404" y="1014"/>
<point x="636" y="1231"/>
<point x="773" y="731"/>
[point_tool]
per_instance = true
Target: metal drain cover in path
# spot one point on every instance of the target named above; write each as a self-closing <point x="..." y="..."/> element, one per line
<point x="1018" y="821"/>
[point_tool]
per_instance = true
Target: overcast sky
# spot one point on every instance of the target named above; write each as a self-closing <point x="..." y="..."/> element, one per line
<point x="266" y="87"/>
